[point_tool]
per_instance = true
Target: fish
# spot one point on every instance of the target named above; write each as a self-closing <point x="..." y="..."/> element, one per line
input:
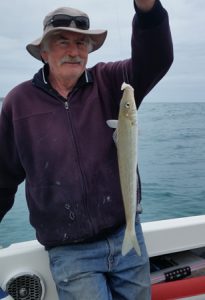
<point x="126" y="139"/>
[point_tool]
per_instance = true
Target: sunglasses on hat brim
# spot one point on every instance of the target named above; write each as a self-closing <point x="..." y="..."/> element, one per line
<point x="81" y="22"/>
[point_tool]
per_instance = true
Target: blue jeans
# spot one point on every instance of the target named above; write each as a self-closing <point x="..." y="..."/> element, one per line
<point x="98" y="271"/>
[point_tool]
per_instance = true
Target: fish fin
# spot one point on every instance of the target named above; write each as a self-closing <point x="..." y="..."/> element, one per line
<point x="129" y="242"/>
<point x="112" y="123"/>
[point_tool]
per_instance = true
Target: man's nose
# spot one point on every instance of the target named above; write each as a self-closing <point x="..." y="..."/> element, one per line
<point x="73" y="49"/>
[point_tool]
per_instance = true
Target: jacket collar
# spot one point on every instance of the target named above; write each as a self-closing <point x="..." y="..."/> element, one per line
<point x="41" y="81"/>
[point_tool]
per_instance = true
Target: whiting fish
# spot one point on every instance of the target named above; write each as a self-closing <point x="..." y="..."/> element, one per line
<point x="126" y="138"/>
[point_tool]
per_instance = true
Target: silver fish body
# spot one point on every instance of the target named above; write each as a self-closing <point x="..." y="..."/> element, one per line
<point x="126" y="142"/>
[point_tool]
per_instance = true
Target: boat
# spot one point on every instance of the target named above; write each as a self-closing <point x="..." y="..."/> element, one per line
<point x="176" y="249"/>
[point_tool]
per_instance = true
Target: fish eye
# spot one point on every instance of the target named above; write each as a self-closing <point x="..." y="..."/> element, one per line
<point x="127" y="105"/>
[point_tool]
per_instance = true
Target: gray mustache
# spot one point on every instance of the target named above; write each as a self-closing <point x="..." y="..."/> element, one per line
<point x="69" y="59"/>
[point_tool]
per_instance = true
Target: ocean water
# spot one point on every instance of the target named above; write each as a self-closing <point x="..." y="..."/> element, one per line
<point x="171" y="163"/>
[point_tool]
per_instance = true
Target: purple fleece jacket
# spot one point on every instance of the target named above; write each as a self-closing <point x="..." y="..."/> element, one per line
<point x="64" y="149"/>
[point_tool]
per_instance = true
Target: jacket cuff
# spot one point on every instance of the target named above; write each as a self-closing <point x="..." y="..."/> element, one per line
<point x="152" y="18"/>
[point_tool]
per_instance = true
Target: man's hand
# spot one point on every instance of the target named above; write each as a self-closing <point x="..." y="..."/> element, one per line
<point x="145" y="5"/>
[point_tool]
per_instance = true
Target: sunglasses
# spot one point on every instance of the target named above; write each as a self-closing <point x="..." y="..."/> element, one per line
<point x="81" y="22"/>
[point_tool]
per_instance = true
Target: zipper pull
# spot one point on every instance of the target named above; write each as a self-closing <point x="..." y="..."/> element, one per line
<point x="66" y="105"/>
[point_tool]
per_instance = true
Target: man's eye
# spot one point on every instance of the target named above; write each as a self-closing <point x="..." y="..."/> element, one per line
<point x="63" y="42"/>
<point x="81" y="43"/>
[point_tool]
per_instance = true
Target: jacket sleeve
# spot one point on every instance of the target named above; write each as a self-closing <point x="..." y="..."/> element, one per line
<point x="11" y="171"/>
<point x="152" y="49"/>
<point x="151" y="55"/>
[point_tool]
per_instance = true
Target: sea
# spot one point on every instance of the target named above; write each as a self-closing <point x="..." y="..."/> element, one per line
<point x="171" y="158"/>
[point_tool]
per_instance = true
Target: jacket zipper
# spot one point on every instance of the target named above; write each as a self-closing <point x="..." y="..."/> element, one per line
<point x="66" y="104"/>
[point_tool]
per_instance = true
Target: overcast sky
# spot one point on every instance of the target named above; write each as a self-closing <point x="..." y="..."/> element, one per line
<point x="21" y="23"/>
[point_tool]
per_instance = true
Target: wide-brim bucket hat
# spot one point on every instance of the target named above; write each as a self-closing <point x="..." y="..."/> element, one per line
<point x="67" y="19"/>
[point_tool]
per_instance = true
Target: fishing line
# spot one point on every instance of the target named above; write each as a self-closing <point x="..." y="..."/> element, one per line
<point x="120" y="38"/>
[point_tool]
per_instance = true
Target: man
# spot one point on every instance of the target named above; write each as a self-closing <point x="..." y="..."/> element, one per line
<point x="53" y="134"/>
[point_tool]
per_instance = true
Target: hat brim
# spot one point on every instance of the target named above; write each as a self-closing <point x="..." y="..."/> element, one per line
<point x="98" y="37"/>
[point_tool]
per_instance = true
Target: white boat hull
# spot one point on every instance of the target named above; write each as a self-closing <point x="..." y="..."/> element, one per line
<point x="162" y="237"/>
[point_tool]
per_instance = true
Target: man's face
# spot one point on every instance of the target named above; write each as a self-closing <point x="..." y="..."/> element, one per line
<point x="67" y="55"/>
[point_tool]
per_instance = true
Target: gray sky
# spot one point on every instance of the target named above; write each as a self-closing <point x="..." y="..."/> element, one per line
<point x="21" y="23"/>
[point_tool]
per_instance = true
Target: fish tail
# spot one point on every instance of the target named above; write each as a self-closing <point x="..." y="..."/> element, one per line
<point x="129" y="242"/>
